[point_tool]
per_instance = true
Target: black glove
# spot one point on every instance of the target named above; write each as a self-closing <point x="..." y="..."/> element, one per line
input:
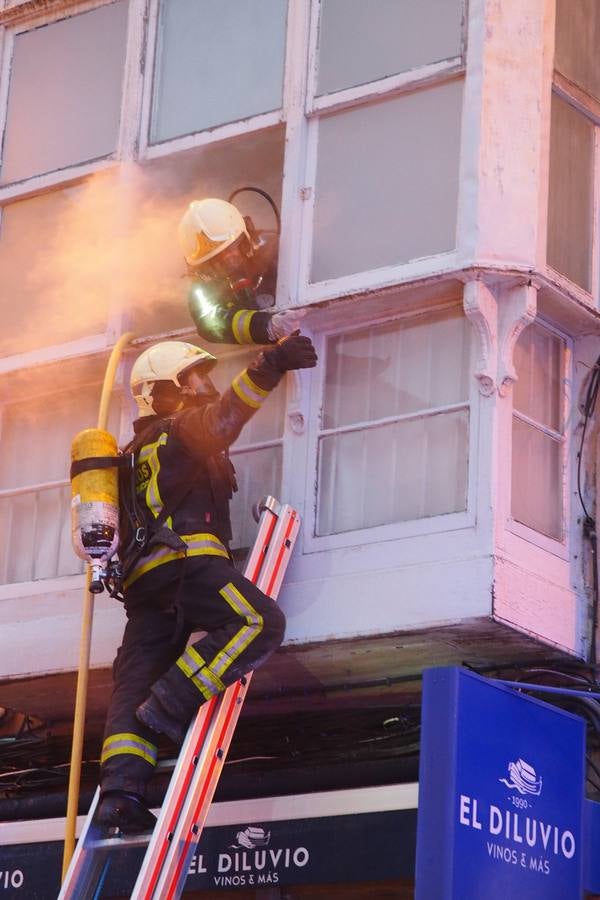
<point x="293" y="352"/>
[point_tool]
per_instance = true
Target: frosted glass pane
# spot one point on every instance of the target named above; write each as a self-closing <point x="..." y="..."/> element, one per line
<point x="267" y="423"/>
<point x="258" y="474"/>
<point x="387" y="182"/>
<point x="49" y="262"/>
<point x="393" y="473"/>
<point x="538" y="363"/>
<point x="536" y="480"/>
<point x="35" y="537"/>
<point x="577" y="43"/>
<point x="570" y="203"/>
<point x="397" y="368"/>
<point x="218" y="61"/>
<point x="37" y="435"/>
<point x="64" y="98"/>
<point x="363" y="40"/>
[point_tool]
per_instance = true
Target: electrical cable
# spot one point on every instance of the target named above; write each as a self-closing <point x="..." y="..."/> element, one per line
<point x="592" y="765"/>
<point x="589" y="523"/>
<point x="588" y="408"/>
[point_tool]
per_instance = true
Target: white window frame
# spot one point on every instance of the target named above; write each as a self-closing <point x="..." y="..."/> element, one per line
<point x="148" y="150"/>
<point x="446" y="522"/>
<point x="349" y="98"/>
<point x="589" y="107"/>
<point x="13" y="23"/>
<point x="519" y="529"/>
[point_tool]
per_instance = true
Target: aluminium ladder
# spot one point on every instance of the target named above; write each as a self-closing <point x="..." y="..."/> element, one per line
<point x="201" y="759"/>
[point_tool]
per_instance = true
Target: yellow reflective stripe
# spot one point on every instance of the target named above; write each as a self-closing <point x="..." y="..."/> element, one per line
<point x="131" y="744"/>
<point x="190" y="673"/>
<point x="249" y="392"/>
<point x="153" y="498"/>
<point x="240" y="325"/>
<point x="197" y="544"/>
<point x="197" y="666"/>
<point x="246" y="634"/>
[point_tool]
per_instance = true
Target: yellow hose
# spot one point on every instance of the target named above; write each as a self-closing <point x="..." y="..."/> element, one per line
<point x="86" y="638"/>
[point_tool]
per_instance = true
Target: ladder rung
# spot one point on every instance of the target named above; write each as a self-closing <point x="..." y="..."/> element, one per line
<point x="121" y="842"/>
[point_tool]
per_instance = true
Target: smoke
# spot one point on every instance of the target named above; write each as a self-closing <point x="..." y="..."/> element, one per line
<point x="112" y="250"/>
<point x="75" y="257"/>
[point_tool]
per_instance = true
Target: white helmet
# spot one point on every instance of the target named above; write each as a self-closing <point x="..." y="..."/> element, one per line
<point x="164" y="362"/>
<point x="207" y="228"/>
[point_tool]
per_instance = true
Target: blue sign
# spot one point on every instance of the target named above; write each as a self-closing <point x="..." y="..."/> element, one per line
<point x="251" y="855"/>
<point x="501" y="791"/>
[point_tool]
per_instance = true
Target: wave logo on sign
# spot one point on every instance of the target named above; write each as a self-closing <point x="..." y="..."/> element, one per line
<point x="252" y="837"/>
<point x="522" y="778"/>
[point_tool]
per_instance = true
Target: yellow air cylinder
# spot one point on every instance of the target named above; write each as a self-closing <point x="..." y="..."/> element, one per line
<point x="94" y="498"/>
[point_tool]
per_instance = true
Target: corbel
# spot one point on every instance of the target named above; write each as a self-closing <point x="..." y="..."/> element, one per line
<point x="517" y="308"/>
<point x="481" y="308"/>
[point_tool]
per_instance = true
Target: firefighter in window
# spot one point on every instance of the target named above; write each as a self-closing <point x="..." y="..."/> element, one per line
<point x="178" y="575"/>
<point x="232" y="268"/>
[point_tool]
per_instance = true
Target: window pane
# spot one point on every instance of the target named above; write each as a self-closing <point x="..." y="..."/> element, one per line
<point x="393" y="473"/>
<point x="397" y="368"/>
<point x="538" y="390"/>
<point x="387" y="182"/>
<point x="37" y="435"/>
<point x="570" y="204"/>
<point x="577" y="42"/>
<point x="35" y="527"/>
<point x="218" y="61"/>
<point x="258" y="473"/>
<point x="536" y="480"/>
<point x="267" y="423"/>
<point x="360" y="42"/>
<point x="35" y="536"/>
<point x="63" y="75"/>
<point x="50" y="264"/>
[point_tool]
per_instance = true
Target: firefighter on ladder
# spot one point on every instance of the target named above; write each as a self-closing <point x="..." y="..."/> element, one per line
<point x="183" y="579"/>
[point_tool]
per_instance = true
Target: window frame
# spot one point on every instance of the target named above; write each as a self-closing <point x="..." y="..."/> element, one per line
<point x="153" y="150"/>
<point x="13" y="24"/>
<point x="413" y="528"/>
<point x="520" y="529"/>
<point x="589" y="107"/>
<point x="315" y="108"/>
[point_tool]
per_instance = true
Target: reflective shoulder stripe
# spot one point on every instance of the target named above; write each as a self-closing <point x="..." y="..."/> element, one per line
<point x="198" y="545"/>
<point x="153" y="499"/>
<point x="133" y="744"/>
<point x="240" y="326"/>
<point x="249" y="392"/>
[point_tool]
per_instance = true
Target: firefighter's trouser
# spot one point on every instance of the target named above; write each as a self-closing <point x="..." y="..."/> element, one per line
<point x="243" y="627"/>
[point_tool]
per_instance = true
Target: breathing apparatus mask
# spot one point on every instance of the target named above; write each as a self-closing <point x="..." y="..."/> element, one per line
<point x="231" y="262"/>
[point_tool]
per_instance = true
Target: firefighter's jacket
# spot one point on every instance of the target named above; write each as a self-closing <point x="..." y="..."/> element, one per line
<point x="182" y="466"/>
<point x="224" y="316"/>
<point x="228" y="324"/>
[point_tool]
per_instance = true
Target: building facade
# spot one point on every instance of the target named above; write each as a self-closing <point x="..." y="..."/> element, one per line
<point x="437" y="168"/>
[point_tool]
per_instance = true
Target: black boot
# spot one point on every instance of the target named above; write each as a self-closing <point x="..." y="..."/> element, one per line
<point x="125" y="811"/>
<point x="153" y="714"/>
